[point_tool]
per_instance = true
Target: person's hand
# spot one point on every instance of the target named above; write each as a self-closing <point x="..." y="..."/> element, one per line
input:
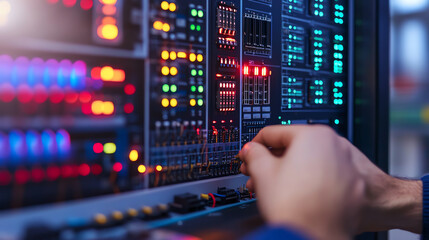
<point x="310" y="178"/>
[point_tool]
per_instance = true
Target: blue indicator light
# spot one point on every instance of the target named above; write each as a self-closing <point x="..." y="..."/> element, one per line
<point x="49" y="144"/>
<point x="34" y="145"/>
<point x="17" y="145"/>
<point x="63" y="143"/>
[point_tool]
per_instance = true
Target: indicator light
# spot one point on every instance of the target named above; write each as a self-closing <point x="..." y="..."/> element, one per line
<point x="108" y="20"/>
<point x="158" y="25"/>
<point x="192" y="102"/>
<point x="164" y="5"/>
<point x="128" y="108"/>
<point x="173" y="55"/>
<point x="85" y="97"/>
<point x="200" y="89"/>
<point x="141" y="169"/>
<point x="98" y="148"/>
<point x="165" y="55"/>
<point x="134" y="155"/>
<point x="96" y="169"/>
<point x="108" y="31"/>
<point x="193" y="89"/>
<point x="192" y="27"/>
<point x="256" y="71"/>
<point x="337" y="121"/>
<point x="107" y="73"/>
<point x="200" y="72"/>
<point x="69" y="3"/>
<point x="194" y="12"/>
<point x="108" y="10"/>
<point x="173" y="71"/>
<point x="97" y="107"/>
<point x="109" y="148"/>
<point x="264" y="71"/>
<point x="118" y="75"/>
<point x="108" y="108"/>
<point x="200" y="13"/>
<point x="192" y="57"/>
<point x="194" y="72"/>
<point x="117" y="167"/>
<point x="198" y="28"/>
<point x="165" y="102"/>
<point x="165" y="88"/>
<point x="181" y="55"/>
<point x="173" y="102"/>
<point x="129" y="89"/>
<point x="108" y="2"/>
<point x="200" y="102"/>
<point x="84" y="169"/>
<point x="165" y="70"/>
<point x="246" y="70"/>
<point x="158" y="168"/>
<point x="166" y="27"/>
<point x="200" y="58"/>
<point x="172" y="7"/>
<point x="173" y="88"/>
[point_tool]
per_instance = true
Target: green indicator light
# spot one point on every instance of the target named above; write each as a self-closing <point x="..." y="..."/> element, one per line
<point x="200" y="102"/>
<point x="165" y="88"/>
<point x="194" y="72"/>
<point x="192" y="27"/>
<point x="200" y="89"/>
<point x="337" y="121"/>
<point x="194" y="12"/>
<point x="200" y="13"/>
<point x="193" y="88"/>
<point x="198" y="28"/>
<point x="200" y="72"/>
<point x="173" y="88"/>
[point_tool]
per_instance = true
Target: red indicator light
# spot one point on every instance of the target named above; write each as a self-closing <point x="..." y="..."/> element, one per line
<point x="264" y="71"/>
<point x="246" y="70"/>
<point x="117" y="167"/>
<point x="98" y="148"/>
<point x="67" y="171"/>
<point x="5" y="178"/>
<point x="69" y="3"/>
<point x="84" y="169"/>
<point x="96" y="169"/>
<point x="219" y="75"/>
<point x="129" y="89"/>
<point x="37" y="174"/>
<point x="57" y="95"/>
<point x="96" y="73"/>
<point x="86" y="4"/>
<point x="40" y="94"/>
<point x="7" y="93"/>
<point x="128" y="108"/>
<point x="214" y="122"/>
<point x="86" y="109"/>
<point x="85" y="97"/>
<point x="53" y="173"/>
<point x="22" y="176"/>
<point x="256" y="72"/>
<point x="25" y="94"/>
<point x="71" y="97"/>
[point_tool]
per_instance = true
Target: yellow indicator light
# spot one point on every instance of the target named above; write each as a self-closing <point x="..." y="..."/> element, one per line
<point x="181" y="55"/>
<point x="173" y="71"/>
<point x="165" y="70"/>
<point x="118" y="216"/>
<point x="132" y="212"/>
<point x="108" y="108"/>
<point x="165" y="102"/>
<point x="193" y="102"/>
<point x="97" y="107"/>
<point x="192" y="57"/>
<point x="109" y="148"/>
<point x="165" y="55"/>
<point x="134" y="155"/>
<point x="147" y="210"/>
<point x="164" y="5"/>
<point x="173" y="55"/>
<point x="172" y="7"/>
<point x="200" y="58"/>
<point x="108" y="20"/>
<point x="158" y="25"/>
<point x="108" y="2"/>
<point x="158" y="168"/>
<point x="100" y="219"/>
<point x="107" y="73"/>
<point x="108" y="31"/>
<point x="173" y="102"/>
<point x="166" y="27"/>
<point x="141" y="169"/>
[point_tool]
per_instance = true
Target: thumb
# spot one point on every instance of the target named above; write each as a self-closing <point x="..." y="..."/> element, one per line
<point x="260" y="163"/>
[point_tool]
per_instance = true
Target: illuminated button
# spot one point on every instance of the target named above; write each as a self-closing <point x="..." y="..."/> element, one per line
<point x="192" y="57"/>
<point x="147" y="210"/>
<point x="181" y="55"/>
<point x="200" y="58"/>
<point x="165" y="5"/>
<point x="193" y="89"/>
<point x="100" y="219"/>
<point x="158" y="168"/>
<point x="134" y="155"/>
<point x="172" y="7"/>
<point x="200" y="89"/>
<point x="173" y="102"/>
<point x="141" y="169"/>
<point x="158" y="25"/>
<point x="109" y="148"/>
<point x="173" y="55"/>
<point x="173" y="88"/>
<point x="132" y="212"/>
<point x="193" y="102"/>
<point x="118" y="216"/>
<point x="165" y="55"/>
<point x="166" y="27"/>
<point x="194" y="12"/>
<point x="200" y="102"/>
<point x="200" y="13"/>
<point x="107" y="73"/>
<point x="165" y="70"/>
<point x="173" y="71"/>
<point x="165" y="103"/>
<point x="108" y="31"/>
<point x="165" y="88"/>
<point x="194" y="72"/>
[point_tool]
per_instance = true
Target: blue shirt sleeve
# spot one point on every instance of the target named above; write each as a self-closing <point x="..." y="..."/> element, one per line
<point x="425" y="181"/>
<point x="275" y="233"/>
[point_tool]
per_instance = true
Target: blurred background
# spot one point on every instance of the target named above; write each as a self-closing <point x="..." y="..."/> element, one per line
<point x="409" y="116"/>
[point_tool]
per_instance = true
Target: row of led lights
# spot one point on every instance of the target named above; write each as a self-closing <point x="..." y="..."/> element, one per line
<point x="173" y="55"/>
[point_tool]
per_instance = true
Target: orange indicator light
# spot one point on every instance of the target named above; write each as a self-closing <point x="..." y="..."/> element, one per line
<point x="108" y="31"/>
<point x="158" y="25"/>
<point x="165" y="70"/>
<point x="173" y="71"/>
<point x="200" y="58"/>
<point x="165" y="55"/>
<point x="107" y="73"/>
<point x="173" y="55"/>
<point x="172" y="7"/>
<point x="181" y="55"/>
<point x="141" y="169"/>
<point x="165" y="5"/>
<point x="134" y="155"/>
<point x="192" y="57"/>
<point x="158" y="168"/>
<point x="108" y="2"/>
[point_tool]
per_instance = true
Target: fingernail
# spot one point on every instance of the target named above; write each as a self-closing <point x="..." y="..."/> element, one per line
<point x="245" y="149"/>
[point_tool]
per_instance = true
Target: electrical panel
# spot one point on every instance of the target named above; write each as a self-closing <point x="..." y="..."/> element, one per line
<point x="102" y="97"/>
